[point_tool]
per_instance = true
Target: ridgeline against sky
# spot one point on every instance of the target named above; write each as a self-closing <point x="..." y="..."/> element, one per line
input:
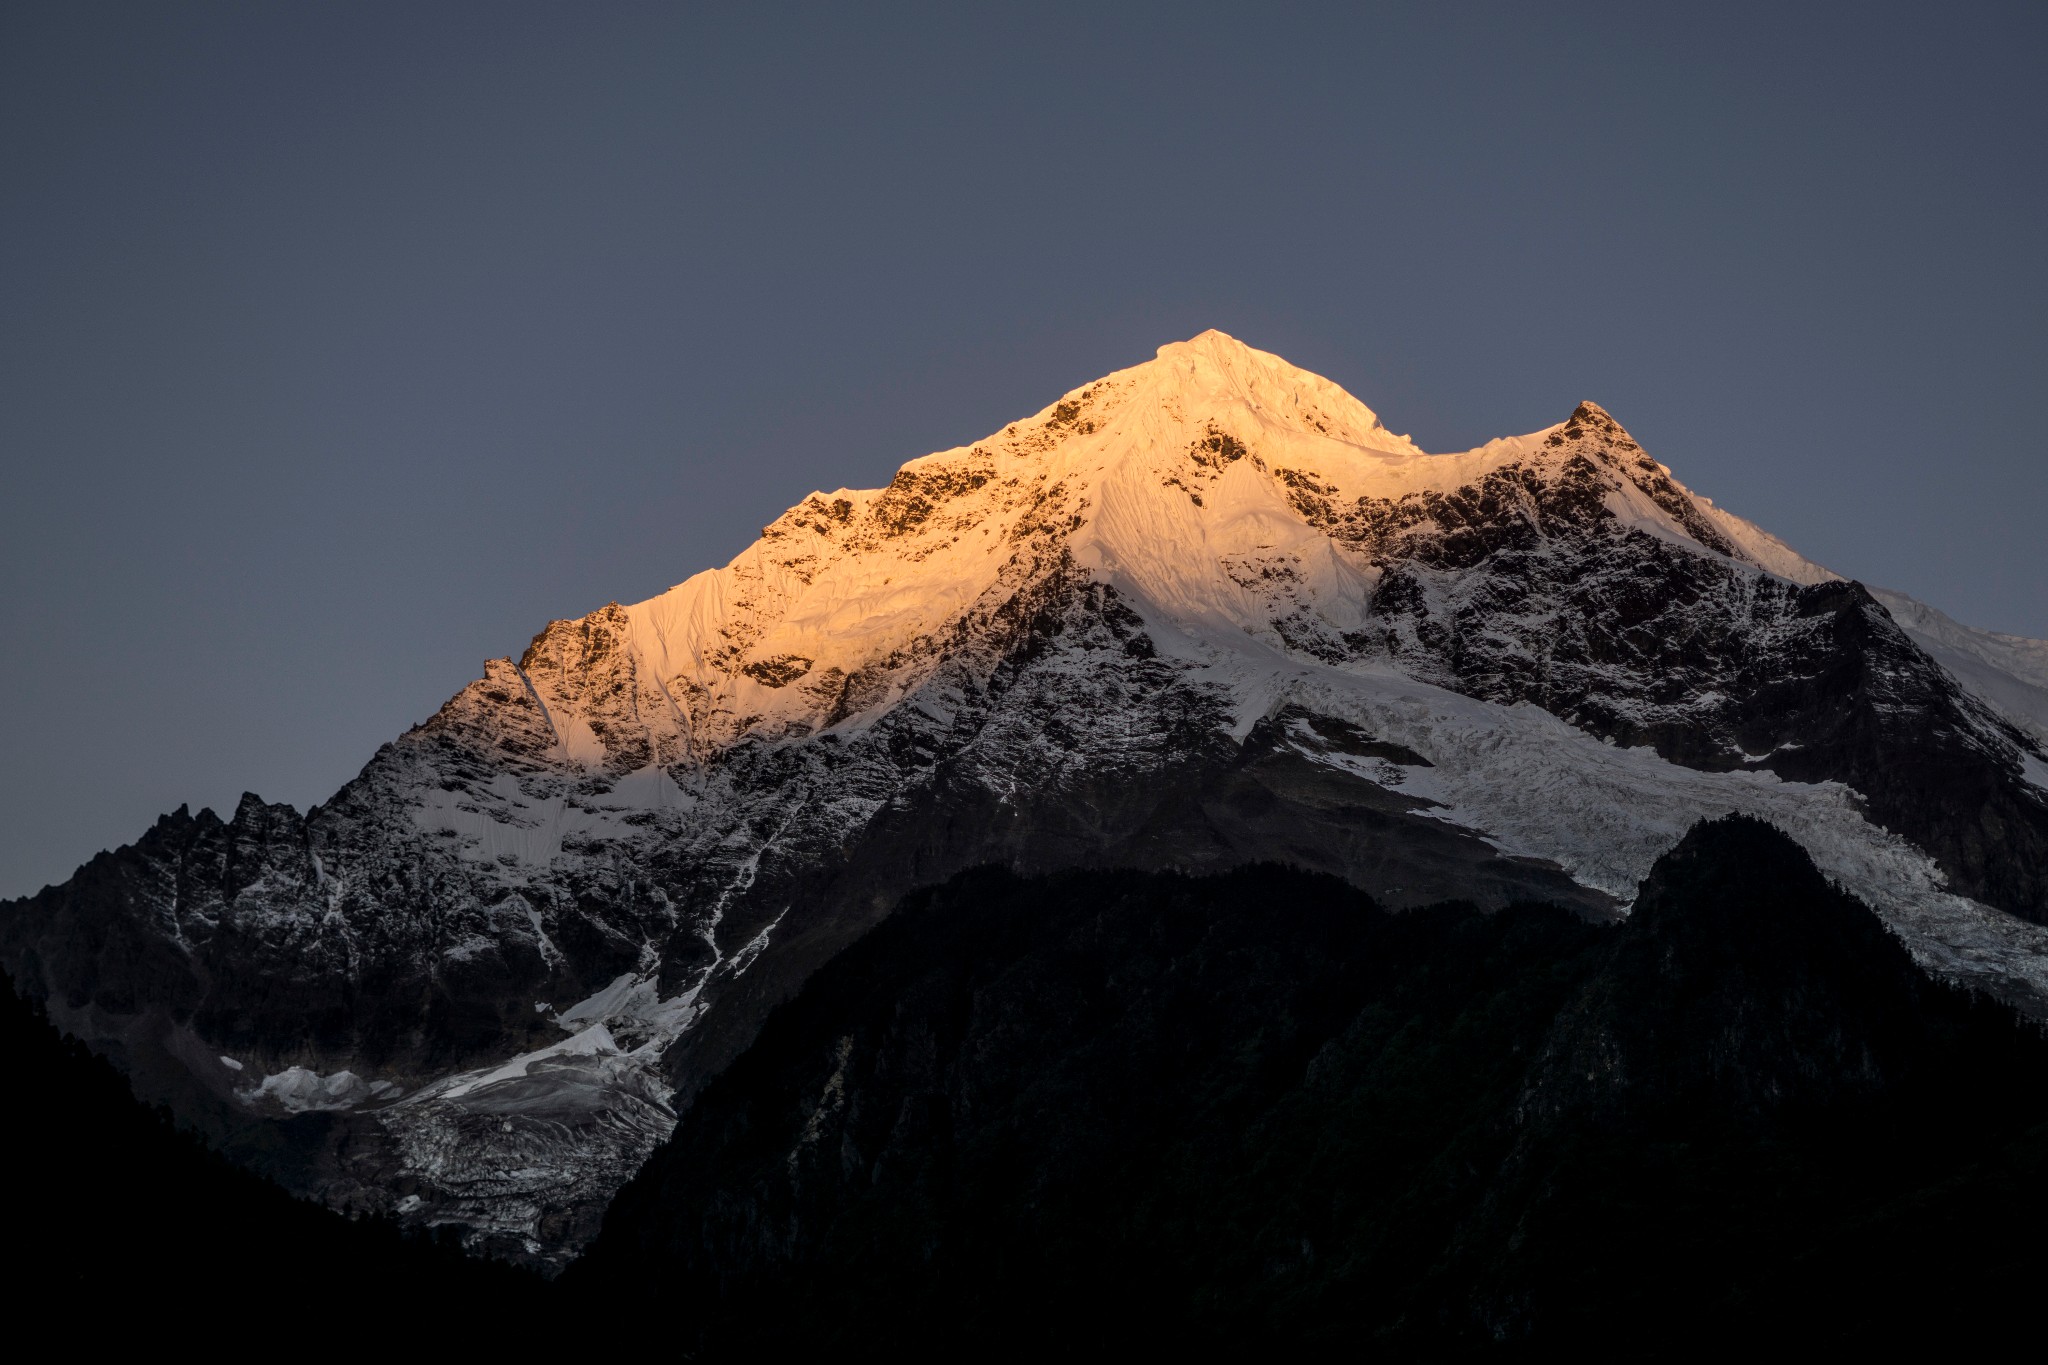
<point x="341" y="346"/>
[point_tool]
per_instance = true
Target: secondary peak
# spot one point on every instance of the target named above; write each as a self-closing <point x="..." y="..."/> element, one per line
<point x="1590" y="419"/>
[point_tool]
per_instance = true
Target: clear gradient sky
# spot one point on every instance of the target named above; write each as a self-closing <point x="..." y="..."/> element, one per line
<point x="342" y="346"/>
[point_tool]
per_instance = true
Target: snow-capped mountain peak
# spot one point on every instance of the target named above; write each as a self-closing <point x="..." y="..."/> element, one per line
<point x="1205" y="481"/>
<point x="1215" y="372"/>
<point x="1203" y="611"/>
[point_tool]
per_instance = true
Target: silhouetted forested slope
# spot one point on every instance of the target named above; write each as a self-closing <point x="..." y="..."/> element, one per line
<point x="1255" y="1111"/>
<point x="120" y="1225"/>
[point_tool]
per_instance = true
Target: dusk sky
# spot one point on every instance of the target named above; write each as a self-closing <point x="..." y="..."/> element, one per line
<point x="343" y="346"/>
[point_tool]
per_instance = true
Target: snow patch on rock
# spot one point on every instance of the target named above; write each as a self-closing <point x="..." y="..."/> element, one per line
<point x="298" y="1090"/>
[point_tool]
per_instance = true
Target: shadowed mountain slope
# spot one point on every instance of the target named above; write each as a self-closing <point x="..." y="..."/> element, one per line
<point x="1255" y="1111"/>
<point x="126" y="1227"/>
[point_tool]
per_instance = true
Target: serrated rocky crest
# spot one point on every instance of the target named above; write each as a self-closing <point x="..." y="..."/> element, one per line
<point x="1201" y="612"/>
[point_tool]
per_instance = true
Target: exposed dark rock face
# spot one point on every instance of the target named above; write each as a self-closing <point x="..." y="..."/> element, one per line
<point x="207" y="921"/>
<point x="122" y="1224"/>
<point x="1531" y="586"/>
<point x="1256" y="1111"/>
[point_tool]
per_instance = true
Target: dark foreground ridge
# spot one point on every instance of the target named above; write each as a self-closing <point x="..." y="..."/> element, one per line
<point x="125" y="1227"/>
<point x="1232" y="1113"/>
<point x="1255" y="1110"/>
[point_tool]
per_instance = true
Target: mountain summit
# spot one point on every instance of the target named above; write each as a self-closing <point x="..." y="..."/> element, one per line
<point x="1204" y="611"/>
